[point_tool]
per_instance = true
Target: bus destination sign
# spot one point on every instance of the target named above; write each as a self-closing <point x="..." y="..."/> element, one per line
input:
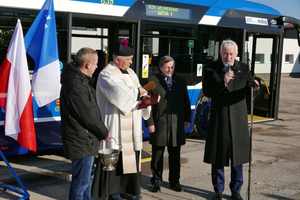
<point x="168" y="12"/>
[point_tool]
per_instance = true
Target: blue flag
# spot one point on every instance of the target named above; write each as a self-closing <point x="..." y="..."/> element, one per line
<point x="41" y="46"/>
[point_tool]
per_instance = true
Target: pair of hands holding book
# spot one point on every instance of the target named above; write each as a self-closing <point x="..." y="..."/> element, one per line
<point x="147" y="100"/>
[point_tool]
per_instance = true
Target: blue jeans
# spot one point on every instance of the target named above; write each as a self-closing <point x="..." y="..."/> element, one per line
<point x="82" y="174"/>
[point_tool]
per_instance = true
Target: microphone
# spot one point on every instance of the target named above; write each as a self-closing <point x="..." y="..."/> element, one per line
<point x="233" y="68"/>
<point x="150" y="86"/>
<point x="237" y="71"/>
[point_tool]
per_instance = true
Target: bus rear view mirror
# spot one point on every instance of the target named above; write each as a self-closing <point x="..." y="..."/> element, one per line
<point x="296" y="23"/>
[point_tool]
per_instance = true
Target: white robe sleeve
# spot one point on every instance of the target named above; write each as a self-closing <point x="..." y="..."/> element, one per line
<point x="146" y="112"/>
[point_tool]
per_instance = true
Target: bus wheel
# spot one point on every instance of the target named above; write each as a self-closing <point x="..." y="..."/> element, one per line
<point x="201" y="116"/>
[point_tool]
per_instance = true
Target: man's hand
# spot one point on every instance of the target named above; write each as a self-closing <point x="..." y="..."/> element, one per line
<point x="145" y="97"/>
<point x="108" y="137"/>
<point x="143" y="92"/>
<point x="228" y="76"/>
<point x="187" y="124"/>
<point x="151" y="129"/>
<point x="256" y="86"/>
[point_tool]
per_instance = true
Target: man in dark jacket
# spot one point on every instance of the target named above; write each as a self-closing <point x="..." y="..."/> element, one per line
<point x="167" y="122"/>
<point x="81" y="124"/>
<point x="227" y="134"/>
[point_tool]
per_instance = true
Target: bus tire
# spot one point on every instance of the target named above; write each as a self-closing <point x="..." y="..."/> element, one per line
<point x="201" y="116"/>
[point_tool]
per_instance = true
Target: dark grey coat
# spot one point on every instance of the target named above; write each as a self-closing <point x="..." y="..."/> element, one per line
<point x="228" y="133"/>
<point x="170" y="113"/>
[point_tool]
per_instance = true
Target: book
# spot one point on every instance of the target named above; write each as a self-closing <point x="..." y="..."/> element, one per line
<point x="144" y="103"/>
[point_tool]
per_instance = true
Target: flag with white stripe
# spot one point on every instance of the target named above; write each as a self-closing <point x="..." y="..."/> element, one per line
<point x="41" y="46"/>
<point x="15" y="93"/>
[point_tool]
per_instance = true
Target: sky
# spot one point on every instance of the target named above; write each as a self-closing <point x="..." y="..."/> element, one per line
<point x="289" y="8"/>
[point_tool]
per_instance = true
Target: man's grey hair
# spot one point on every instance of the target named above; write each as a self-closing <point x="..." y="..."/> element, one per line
<point x="228" y="43"/>
<point x="117" y="56"/>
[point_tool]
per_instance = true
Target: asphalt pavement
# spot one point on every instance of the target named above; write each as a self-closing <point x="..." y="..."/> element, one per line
<point x="274" y="172"/>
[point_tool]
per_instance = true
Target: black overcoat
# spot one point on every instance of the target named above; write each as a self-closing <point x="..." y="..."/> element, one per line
<point x="169" y="115"/>
<point x="228" y="132"/>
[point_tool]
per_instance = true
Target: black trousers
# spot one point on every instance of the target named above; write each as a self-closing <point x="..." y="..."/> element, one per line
<point x="157" y="164"/>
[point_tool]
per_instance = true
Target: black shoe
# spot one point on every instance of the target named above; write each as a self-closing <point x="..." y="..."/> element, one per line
<point x="131" y="197"/>
<point x="236" y="196"/>
<point x="176" y="187"/>
<point x="218" y="196"/>
<point x="115" y="197"/>
<point x="156" y="187"/>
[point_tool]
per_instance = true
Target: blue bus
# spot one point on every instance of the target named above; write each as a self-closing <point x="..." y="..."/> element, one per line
<point x="190" y="31"/>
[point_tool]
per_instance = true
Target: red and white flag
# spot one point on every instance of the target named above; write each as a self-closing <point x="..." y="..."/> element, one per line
<point x="15" y="93"/>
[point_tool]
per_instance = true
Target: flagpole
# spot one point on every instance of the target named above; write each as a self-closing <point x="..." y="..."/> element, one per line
<point x="25" y="194"/>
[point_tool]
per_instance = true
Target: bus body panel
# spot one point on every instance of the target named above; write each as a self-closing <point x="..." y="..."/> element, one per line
<point x="117" y="8"/>
<point x="47" y="129"/>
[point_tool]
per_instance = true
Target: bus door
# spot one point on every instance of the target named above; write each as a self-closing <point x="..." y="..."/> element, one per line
<point x="180" y="51"/>
<point x="177" y="41"/>
<point x="262" y="55"/>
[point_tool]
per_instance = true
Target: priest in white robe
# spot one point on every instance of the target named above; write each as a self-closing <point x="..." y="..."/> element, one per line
<point x="118" y="93"/>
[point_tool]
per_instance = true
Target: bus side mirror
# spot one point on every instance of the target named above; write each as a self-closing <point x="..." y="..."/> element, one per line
<point x="296" y="23"/>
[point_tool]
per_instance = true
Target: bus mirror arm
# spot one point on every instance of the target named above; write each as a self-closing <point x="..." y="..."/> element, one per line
<point x="296" y="23"/>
